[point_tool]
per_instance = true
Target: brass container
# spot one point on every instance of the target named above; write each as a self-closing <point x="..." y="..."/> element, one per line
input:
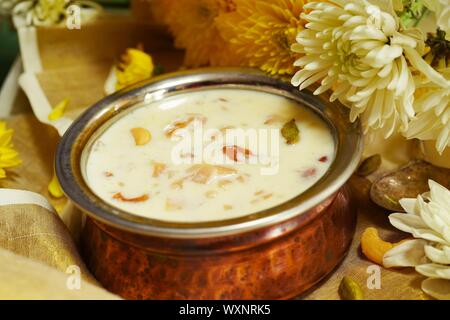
<point x="272" y="254"/>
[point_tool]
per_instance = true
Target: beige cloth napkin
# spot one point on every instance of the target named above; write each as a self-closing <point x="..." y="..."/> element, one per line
<point x="60" y="63"/>
<point x="23" y="278"/>
<point x="38" y="258"/>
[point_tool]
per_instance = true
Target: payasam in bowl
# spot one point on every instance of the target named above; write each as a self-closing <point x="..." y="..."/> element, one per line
<point x="212" y="184"/>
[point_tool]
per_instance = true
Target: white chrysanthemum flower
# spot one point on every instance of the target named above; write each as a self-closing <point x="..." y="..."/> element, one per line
<point x="428" y="220"/>
<point x="432" y="121"/>
<point x="441" y="9"/>
<point x="6" y="6"/>
<point x="358" y="50"/>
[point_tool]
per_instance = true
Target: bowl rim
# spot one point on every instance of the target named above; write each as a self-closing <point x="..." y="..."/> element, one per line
<point x="348" y="144"/>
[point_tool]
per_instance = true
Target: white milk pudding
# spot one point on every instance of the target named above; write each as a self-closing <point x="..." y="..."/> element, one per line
<point x="209" y="155"/>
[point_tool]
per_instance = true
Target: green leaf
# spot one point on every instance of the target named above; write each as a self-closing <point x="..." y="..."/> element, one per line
<point x="413" y="11"/>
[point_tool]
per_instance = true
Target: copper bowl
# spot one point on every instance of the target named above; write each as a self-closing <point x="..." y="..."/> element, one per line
<point x="272" y="254"/>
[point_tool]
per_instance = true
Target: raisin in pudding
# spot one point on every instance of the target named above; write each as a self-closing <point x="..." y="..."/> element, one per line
<point x="209" y="155"/>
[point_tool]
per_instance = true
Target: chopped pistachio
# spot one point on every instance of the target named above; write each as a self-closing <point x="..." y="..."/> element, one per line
<point x="290" y="132"/>
<point x="349" y="289"/>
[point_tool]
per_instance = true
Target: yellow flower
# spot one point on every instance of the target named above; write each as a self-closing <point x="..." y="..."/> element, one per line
<point x="135" y="66"/>
<point x="54" y="188"/>
<point x="427" y="219"/>
<point x="432" y="120"/>
<point x="58" y="111"/>
<point x="262" y="32"/>
<point x="193" y="24"/>
<point x="8" y="156"/>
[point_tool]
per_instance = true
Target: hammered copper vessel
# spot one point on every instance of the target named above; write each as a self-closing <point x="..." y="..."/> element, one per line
<point x="277" y="253"/>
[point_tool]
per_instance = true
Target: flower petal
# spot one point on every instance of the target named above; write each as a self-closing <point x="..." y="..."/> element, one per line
<point x="437" y="288"/>
<point x="407" y="254"/>
<point x="433" y="270"/>
<point x="415" y="225"/>
<point x="438" y="255"/>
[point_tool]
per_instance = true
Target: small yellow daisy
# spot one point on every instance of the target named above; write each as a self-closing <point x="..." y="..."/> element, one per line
<point x="135" y="66"/>
<point x="8" y="156"/>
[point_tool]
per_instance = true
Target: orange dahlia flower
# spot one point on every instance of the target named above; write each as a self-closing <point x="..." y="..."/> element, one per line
<point x="193" y="24"/>
<point x="261" y="33"/>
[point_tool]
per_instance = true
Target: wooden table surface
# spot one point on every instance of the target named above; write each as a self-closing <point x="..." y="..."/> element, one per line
<point x="36" y="144"/>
